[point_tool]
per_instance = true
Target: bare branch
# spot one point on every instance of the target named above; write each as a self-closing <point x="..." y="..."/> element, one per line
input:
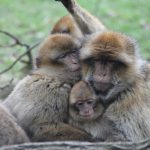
<point x="19" y="58"/>
<point x="7" y="85"/>
<point x="18" y="42"/>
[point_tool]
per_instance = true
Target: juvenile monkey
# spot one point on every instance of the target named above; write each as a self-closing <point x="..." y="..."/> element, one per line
<point x="10" y="131"/>
<point x="67" y="25"/>
<point x="85" y="21"/>
<point x="112" y="66"/>
<point x="40" y="101"/>
<point x="86" y="112"/>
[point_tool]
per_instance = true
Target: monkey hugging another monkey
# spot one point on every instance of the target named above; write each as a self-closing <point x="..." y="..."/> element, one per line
<point x="112" y="66"/>
<point x="110" y="104"/>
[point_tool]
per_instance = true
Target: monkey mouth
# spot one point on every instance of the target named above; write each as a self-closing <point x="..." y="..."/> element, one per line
<point x="102" y="88"/>
<point x="87" y="115"/>
<point x="76" y="70"/>
<point x="87" y="118"/>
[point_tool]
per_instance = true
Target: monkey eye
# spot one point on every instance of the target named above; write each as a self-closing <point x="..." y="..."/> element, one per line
<point x="79" y="104"/>
<point x="74" y="51"/>
<point x="89" y="102"/>
<point x="61" y="56"/>
<point x="117" y="64"/>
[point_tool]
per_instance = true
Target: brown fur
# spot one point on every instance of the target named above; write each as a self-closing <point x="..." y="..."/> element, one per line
<point x="40" y="100"/>
<point x="129" y="96"/>
<point x="130" y="109"/>
<point x="81" y="91"/>
<point x="10" y="131"/>
<point x="100" y="128"/>
<point x="67" y="25"/>
<point x="54" y="45"/>
<point x="86" y="22"/>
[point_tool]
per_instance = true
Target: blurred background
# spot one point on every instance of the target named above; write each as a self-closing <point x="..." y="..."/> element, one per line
<point x="31" y="20"/>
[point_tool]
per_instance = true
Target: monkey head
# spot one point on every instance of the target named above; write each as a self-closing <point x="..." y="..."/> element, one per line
<point x="58" y="55"/>
<point x="109" y="63"/>
<point x="67" y="25"/>
<point x="83" y="103"/>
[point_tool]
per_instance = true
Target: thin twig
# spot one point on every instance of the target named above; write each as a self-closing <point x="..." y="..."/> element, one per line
<point x="7" y="85"/>
<point x="19" y="58"/>
<point x="18" y="42"/>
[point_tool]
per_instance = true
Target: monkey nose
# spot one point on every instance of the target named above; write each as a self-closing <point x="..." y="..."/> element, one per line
<point x="75" y="66"/>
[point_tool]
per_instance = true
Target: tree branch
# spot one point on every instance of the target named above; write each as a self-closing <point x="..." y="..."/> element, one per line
<point x="19" y="58"/>
<point x="18" y="42"/>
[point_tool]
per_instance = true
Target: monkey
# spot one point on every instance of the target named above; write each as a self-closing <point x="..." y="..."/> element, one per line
<point x="10" y="132"/>
<point x="87" y="23"/>
<point x="111" y="64"/>
<point x="86" y="112"/>
<point x="67" y="25"/>
<point x="40" y="100"/>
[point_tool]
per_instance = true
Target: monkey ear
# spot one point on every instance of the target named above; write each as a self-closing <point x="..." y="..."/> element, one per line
<point x="131" y="45"/>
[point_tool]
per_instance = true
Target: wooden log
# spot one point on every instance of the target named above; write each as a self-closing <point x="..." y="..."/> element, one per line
<point x="143" y="145"/>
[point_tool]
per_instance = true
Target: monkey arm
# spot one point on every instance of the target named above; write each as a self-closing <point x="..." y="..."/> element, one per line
<point x="61" y="132"/>
<point x="40" y="107"/>
<point x="87" y="22"/>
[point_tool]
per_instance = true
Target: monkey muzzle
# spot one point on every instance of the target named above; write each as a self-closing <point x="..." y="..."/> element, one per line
<point x="101" y="87"/>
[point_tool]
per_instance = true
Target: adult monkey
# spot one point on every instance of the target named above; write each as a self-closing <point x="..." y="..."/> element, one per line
<point x="112" y="65"/>
<point x="40" y="100"/>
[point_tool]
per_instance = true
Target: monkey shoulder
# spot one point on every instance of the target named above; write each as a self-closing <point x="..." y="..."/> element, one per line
<point x="35" y="86"/>
<point x="37" y="97"/>
<point x="131" y="118"/>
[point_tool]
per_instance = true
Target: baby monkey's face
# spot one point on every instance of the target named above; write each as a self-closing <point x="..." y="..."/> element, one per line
<point x="84" y="105"/>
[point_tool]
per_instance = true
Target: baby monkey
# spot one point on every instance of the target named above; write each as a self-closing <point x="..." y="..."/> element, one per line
<point x="87" y="113"/>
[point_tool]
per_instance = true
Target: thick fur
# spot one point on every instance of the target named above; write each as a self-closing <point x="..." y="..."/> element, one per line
<point x="10" y="131"/>
<point x="130" y="112"/>
<point x="101" y="129"/>
<point x="40" y="101"/>
<point x="86" y="22"/>
<point x="98" y="125"/>
<point x="129" y="107"/>
<point x="67" y="25"/>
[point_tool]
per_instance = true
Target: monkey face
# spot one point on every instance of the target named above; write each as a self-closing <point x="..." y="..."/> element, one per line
<point x="59" y="53"/>
<point x="69" y="60"/>
<point x="109" y="63"/>
<point x="86" y="110"/>
<point x="84" y="105"/>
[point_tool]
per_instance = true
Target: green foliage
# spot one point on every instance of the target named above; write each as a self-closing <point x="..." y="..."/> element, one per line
<point x="32" y="20"/>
